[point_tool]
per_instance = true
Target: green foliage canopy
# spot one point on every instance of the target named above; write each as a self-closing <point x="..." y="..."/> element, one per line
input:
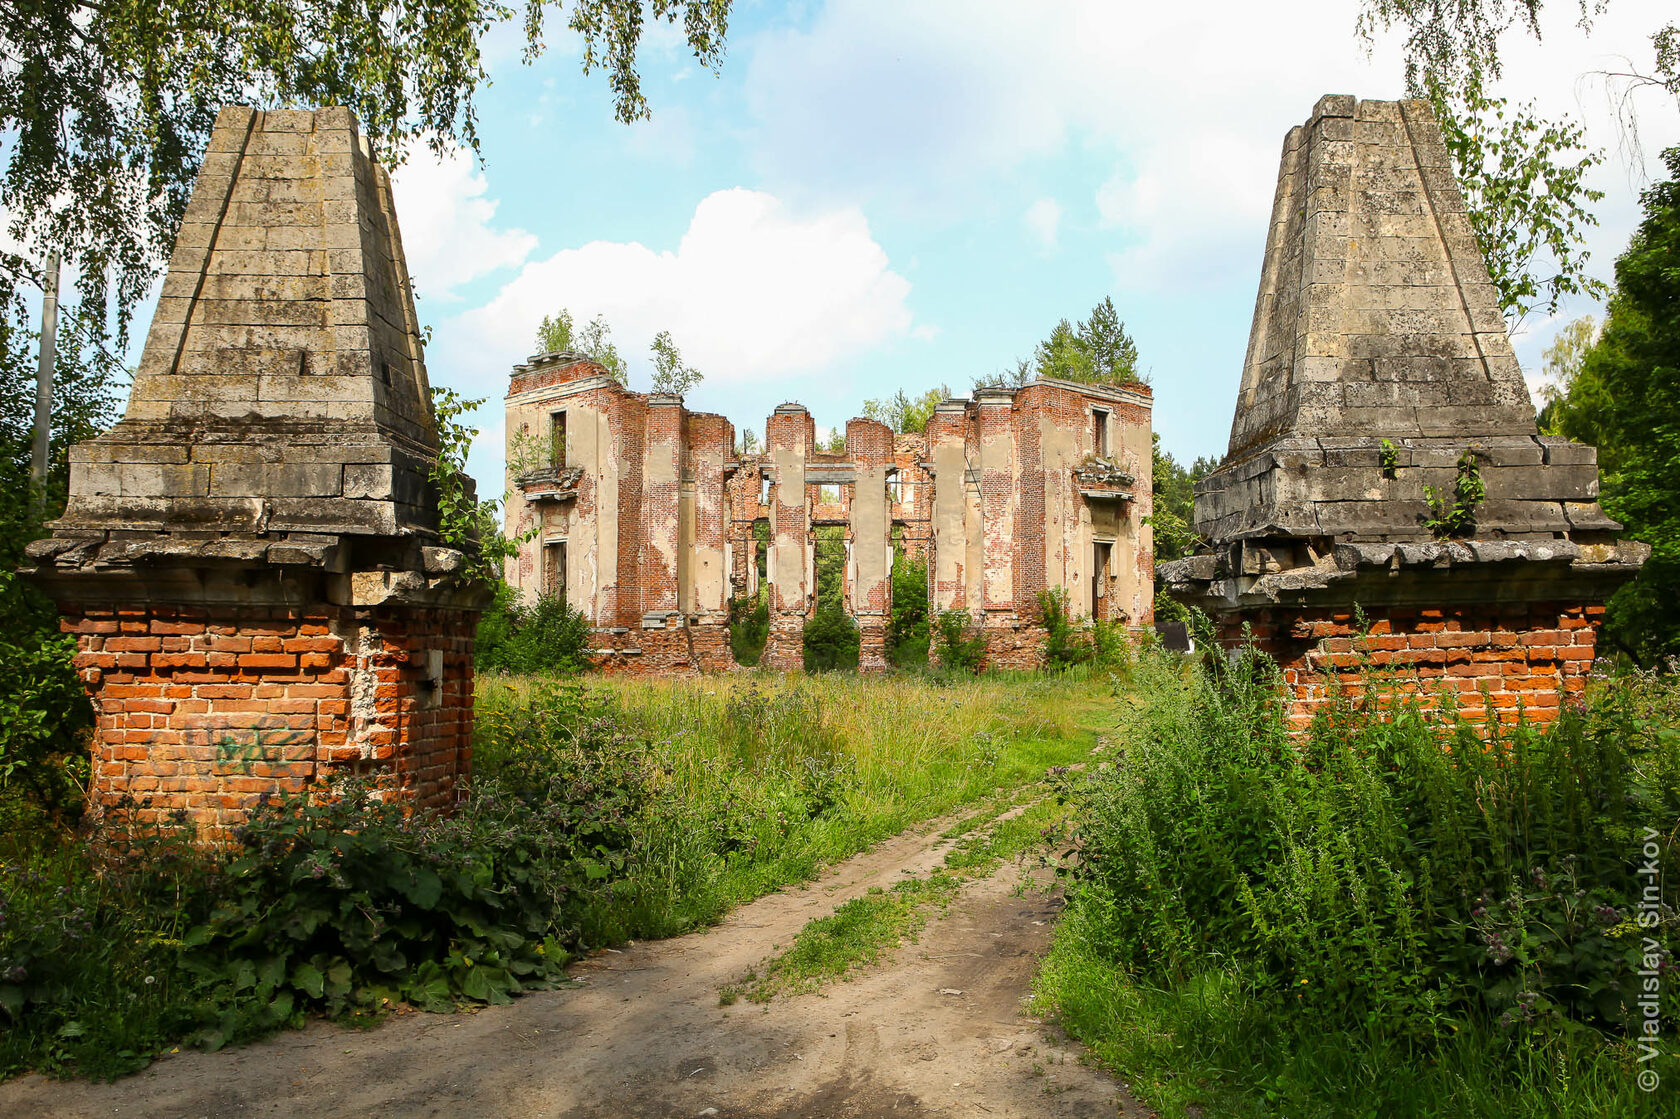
<point x="560" y="332"/>
<point x="1175" y="499"/>
<point x="1526" y="194"/>
<point x="1097" y="351"/>
<point x="671" y="374"/>
<point x="1625" y="400"/>
<point x="905" y="413"/>
<point x="106" y="107"/>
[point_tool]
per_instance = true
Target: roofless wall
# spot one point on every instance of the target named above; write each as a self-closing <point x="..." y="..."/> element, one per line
<point x="646" y="518"/>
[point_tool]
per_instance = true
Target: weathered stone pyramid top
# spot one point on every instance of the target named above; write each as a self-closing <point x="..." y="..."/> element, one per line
<point x="288" y="278"/>
<point x="282" y="393"/>
<point x="1383" y="426"/>
<point x="1375" y="313"/>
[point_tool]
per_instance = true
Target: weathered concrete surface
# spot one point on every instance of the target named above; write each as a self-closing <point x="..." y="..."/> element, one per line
<point x="1378" y="371"/>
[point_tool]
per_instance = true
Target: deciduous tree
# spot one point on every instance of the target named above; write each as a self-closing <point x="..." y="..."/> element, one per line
<point x="106" y="105"/>
<point x="1524" y="182"/>
<point x="905" y="413"/>
<point x="1625" y="400"/>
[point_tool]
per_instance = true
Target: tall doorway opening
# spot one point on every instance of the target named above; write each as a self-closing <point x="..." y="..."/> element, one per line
<point x="1101" y="553"/>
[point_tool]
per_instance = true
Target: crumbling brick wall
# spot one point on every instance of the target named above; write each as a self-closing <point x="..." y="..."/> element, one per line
<point x="203" y="710"/>
<point x="1513" y="660"/>
<point x="991" y="496"/>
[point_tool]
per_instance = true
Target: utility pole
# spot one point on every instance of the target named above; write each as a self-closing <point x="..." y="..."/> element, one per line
<point x="44" y="384"/>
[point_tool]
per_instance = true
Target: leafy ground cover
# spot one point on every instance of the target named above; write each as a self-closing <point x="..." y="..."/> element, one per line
<point x="600" y="811"/>
<point x="1389" y="917"/>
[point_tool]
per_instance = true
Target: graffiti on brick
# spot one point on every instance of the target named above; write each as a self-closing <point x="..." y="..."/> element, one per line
<point x="268" y="742"/>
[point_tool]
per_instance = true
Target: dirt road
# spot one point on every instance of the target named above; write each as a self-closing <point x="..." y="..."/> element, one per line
<point x="938" y="1030"/>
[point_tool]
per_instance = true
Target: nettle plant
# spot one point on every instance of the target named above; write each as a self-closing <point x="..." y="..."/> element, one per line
<point x="1454" y="517"/>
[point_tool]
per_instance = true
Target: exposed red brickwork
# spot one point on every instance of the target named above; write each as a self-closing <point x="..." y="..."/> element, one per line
<point x="530" y="380"/>
<point x="869" y="446"/>
<point x="657" y="552"/>
<point x="1027" y="562"/>
<point x="625" y="597"/>
<point x="202" y="710"/>
<point x="674" y="650"/>
<point x="1015" y="648"/>
<point x="1521" y="657"/>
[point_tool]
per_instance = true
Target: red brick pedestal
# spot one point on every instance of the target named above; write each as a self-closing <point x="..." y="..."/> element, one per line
<point x="784" y="651"/>
<point x="202" y="710"/>
<point x="1522" y="659"/>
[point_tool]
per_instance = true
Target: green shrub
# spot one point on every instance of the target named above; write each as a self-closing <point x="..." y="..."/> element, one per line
<point x="1068" y="643"/>
<point x="336" y="903"/>
<point x="1391" y="870"/>
<point x="90" y="963"/>
<point x="749" y="627"/>
<point x="44" y="721"/>
<point x="545" y="636"/>
<point x="959" y="644"/>
<point x="831" y="638"/>
<point x="908" y="637"/>
<point x="1065" y="642"/>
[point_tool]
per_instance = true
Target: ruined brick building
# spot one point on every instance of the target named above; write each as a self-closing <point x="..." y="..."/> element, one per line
<point x="649" y="519"/>
<point x="1387" y="499"/>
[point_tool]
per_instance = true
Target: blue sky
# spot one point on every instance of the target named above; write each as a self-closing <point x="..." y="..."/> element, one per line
<point x="872" y="196"/>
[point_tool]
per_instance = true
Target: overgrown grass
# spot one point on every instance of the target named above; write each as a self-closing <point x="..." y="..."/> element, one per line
<point x="1391" y="916"/>
<point x="600" y="811"/>
<point x="852" y="937"/>
<point x="767" y="779"/>
<point x="866" y="928"/>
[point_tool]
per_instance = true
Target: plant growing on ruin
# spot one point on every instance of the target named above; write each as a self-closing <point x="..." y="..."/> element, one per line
<point x="560" y="333"/>
<point x="905" y="413"/>
<point x="1454" y="517"/>
<point x="959" y="644"/>
<point x="672" y="375"/>
<point x="465" y="523"/>
<point x="528" y="452"/>
<point x="1388" y="458"/>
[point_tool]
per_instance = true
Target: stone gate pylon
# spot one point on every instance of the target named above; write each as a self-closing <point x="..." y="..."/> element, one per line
<point x="1384" y="457"/>
<point x="250" y="559"/>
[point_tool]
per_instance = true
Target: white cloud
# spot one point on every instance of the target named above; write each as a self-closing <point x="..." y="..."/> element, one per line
<point x="446" y="221"/>
<point x="929" y="107"/>
<point x="1044" y="219"/>
<point x="932" y="108"/>
<point x="752" y="292"/>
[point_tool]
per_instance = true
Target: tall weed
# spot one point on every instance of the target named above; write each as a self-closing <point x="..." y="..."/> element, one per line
<point x="1403" y="878"/>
